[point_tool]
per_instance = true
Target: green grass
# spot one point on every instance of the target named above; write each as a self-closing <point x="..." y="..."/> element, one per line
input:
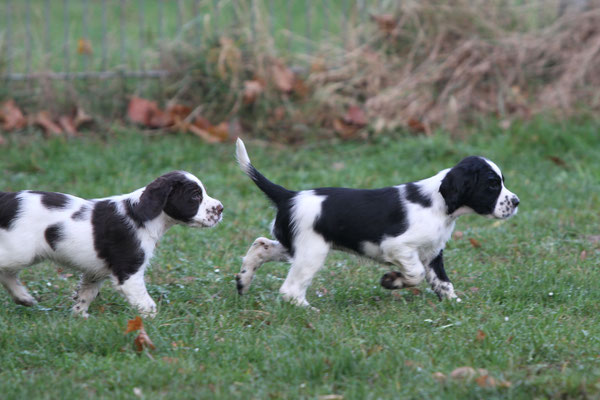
<point x="366" y="342"/>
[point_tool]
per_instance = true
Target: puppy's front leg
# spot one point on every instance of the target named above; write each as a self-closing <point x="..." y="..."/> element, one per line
<point x="86" y="292"/>
<point x="439" y="281"/>
<point x="134" y="290"/>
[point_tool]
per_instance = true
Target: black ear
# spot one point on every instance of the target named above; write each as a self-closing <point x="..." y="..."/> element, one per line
<point x="153" y="199"/>
<point x="453" y="188"/>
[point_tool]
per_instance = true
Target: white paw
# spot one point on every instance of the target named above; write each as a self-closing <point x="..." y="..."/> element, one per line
<point x="147" y="310"/>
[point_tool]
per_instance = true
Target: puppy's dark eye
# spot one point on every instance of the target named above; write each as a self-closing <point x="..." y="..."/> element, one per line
<point x="493" y="184"/>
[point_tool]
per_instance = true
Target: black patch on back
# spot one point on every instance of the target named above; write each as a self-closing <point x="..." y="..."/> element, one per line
<point x="172" y="193"/>
<point x="115" y="240"/>
<point x="437" y="264"/>
<point x="414" y="195"/>
<point x="9" y="208"/>
<point x="80" y="215"/>
<point x="350" y="217"/>
<point x="52" y="200"/>
<point x="472" y="183"/>
<point x="53" y="234"/>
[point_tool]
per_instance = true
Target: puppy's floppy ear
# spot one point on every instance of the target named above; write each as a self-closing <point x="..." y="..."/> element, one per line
<point x="453" y="188"/>
<point x="154" y="198"/>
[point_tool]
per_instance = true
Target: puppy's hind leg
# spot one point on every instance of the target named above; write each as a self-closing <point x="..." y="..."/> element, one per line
<point x="15" y="288"/>
<point x="262" y="250"/>
<point x="411" y="271"/>
<point x="86" y="292"/>
<point x="307" y="261"/>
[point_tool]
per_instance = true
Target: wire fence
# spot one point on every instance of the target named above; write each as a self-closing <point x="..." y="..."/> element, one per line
<point x="70" y="39"/>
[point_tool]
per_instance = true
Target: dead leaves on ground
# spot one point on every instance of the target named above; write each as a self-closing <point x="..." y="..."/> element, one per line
<point x="468" y="374"/>
<point x="177" y="118"/>
<point x="13" y="119"/>
<point x="11" y="116"/>
<point x="142" y="340"/>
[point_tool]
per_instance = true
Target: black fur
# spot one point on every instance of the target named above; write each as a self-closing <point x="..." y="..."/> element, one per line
<point x="353" y="216"/>
<point x="172" y="193"/>
<point x="282" y="228"/>
<point x="52" y="200"/>
<point x="414" y="195"/>
<point x="276" y="193"/>
<point x="115" y="240"/>
<point x="472" y="183"/>
<point x="437" y="264"/>
<point x="80" y="215"/>
<point x="53" y="234"/>
<point x="9" y="209"/>
<point x="184" y="200"/>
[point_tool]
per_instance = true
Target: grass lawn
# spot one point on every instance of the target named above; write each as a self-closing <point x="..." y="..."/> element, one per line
<point x="528" y="288"/>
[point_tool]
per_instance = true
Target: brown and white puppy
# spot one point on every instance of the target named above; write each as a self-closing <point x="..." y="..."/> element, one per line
<point x="112" y="237"/>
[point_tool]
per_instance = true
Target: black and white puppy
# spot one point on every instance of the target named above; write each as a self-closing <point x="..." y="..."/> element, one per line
<point x="112" y="237"/>
<point x="406" y="226"/>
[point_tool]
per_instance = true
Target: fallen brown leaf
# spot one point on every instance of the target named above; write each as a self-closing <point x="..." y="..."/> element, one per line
<point x="417" y="126"/>
<point x="252" y="89"/>
<point x="11" y="116"/>
<point x="143" y="340"/>
<point x="583" y="255"/>
<point x="475" y="243"/>
<point x="486" y="381"/>
<point x="480" y="335"/>
<point x="44" y="119"/>
<point x="463" y="373"/>
<point x="134" y="325"/>
<point x="283" y="77"/>
<point x="67" y="124"/>
<point x="557" y="161"/>
<point x="458" y="235"/>
<point x="438" y="376"/>
<point x="140" y="111"/>
<point x="346" y="131"/>
<point x="415" y="291"/>
<point x="356" y="116"/>
<point x="159" y="119"/>
<point x="82" y="118"/>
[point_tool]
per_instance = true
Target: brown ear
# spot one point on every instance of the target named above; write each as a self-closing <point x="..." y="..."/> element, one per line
<point x="154" y="198"/>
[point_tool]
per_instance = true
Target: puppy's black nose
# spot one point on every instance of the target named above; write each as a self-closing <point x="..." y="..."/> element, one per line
<point x="219" y="209"/>
<point x="515" y="201"/>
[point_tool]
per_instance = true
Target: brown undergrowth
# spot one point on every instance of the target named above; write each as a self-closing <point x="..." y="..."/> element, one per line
<point x="420" y="66"/>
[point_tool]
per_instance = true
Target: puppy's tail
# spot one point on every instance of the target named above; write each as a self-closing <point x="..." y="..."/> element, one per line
<point x="277" y="194"/>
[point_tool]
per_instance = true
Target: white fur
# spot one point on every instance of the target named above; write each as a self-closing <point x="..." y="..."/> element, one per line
<point x="412" y="251"/>
<point x="24" y="244"/>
